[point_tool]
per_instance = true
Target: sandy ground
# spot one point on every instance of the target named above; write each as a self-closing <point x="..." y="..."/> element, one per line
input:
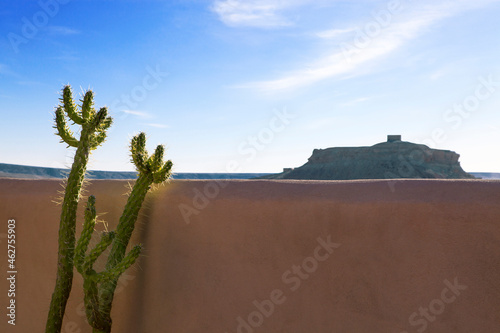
<point x="276" y="256"/>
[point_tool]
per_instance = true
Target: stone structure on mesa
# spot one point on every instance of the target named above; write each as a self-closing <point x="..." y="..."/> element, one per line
<point x="386" y="160"/>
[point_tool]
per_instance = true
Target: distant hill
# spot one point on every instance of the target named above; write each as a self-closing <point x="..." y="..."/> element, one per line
<point x="386" y="160"/>
<point x="32" y="172"/>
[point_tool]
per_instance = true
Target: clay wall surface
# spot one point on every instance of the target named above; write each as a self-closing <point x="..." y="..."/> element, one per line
<point x="277" y="256"/>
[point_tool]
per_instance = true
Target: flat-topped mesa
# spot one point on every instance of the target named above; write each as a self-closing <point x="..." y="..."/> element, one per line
<point x="391" y="159"/>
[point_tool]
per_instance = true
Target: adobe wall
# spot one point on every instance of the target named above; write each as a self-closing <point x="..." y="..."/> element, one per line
<point x="278" y="256"/>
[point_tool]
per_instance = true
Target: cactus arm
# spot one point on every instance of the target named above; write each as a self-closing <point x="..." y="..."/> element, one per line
<point x="63" y="130"/>
<point x="88" y="228"/>
<point x="139" y="153"/>
<point x="88" y="111"/>
<point x="99" y="118"/>
<point x="106" y="122"/>
<point x="156" y="160"/>
<point x="69" y="106"/>
<point x="163" y="174"/>
<point x="160" y="171"/>
<point x="99" y="139"/>
<point x="114" y="273"/>
<point x="101" y="129"/>
<point x="103" y="244"/>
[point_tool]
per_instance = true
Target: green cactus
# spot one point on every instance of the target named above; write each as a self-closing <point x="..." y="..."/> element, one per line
<point x="93" y="133"/>
<point x="152" y="170"/>
<point x="99" y="288"/>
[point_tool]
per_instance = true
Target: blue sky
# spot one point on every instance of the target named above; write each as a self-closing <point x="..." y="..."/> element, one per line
<point x="253" y="86"/>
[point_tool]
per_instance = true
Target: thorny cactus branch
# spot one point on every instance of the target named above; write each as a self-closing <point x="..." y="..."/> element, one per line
<point x="63" y="130"/>
<point x="138" y="152"/>
<point x="115" y="272"/>
<point x="102" y="127"/>
<point x="88" y="228"/>
<point x="151" y="170"/>
<point x="69" y="106"/>
<point x="67" y="227"/>
<point x="105" y="242"/>
<point x="88" y="110"/>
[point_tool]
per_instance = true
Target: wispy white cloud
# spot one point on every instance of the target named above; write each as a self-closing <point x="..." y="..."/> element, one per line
<point x="255" y="13"/>
<point x="322" y="123"/>
<point x="157" y="125"/>
<point x="333" y="33"/>
<point x="29" y="83"/>
<point x="348" y="58"/>
<point x="356" y="101"/>
<point x="140" y="114"/>
<point x="66" y="57"/>
<point x="6" y="70"/>
<point x="62" y="31"/>
<point x="145" y="115"/>
<point x="437" y="74"/>
<point x="450" y="68"/>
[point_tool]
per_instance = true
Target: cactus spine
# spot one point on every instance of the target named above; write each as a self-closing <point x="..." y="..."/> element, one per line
<point x="93" y="133"/>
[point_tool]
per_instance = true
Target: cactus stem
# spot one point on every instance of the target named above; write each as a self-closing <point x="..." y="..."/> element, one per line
<point x="72" y="195"/>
